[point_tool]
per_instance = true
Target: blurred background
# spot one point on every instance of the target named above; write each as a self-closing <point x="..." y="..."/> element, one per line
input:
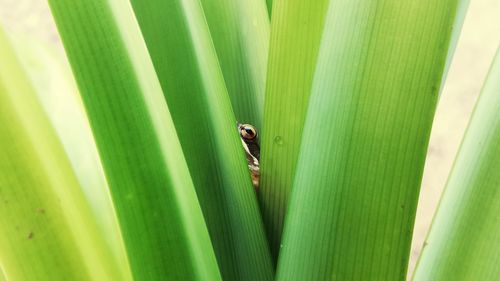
<point x="474" y="52"/>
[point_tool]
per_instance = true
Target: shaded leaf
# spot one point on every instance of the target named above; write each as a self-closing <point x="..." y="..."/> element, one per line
<point x="181" y="48"/>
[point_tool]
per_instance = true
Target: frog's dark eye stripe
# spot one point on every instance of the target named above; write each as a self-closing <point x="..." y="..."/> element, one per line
<point x="248" y="135"/>
<point x="248" y="132"/>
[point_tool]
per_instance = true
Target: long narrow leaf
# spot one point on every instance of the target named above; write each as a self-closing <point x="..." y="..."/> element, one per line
<point x="375" y="91"/>
<point x="296" y="31"/>
<point x="48" y="230"/>
<point x="240" y="32"/>
<point x="57" y="93"/>
<point x="162" y="224"/>
<point x="464" y="240"/>
<point x="179" y="42"/>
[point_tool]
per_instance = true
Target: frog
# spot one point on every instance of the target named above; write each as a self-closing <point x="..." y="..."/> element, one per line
<point x="250" y="141"/>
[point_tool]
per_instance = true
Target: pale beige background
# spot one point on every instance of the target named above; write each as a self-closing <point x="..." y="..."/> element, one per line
<point x="475" y="50"/>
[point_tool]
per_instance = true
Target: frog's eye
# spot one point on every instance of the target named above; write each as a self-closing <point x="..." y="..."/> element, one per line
<point x="248" y="132"/>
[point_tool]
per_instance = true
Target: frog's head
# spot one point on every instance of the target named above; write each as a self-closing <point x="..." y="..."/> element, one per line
<point x="250" y="139"/>
<point x="248" y="133"/>
<point x="250" y="142"/>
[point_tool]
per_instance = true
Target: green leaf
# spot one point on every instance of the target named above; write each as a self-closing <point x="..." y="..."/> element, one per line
<point x="240" y="33"/>
<point x="375" y="90"/>
<point x="162" y="224"/>
<point x="57" y="93"/>
<point x="296" y="31"/>
<point x="462" y="8"/>
<point x="464" y="240"/>
<point x="181" y="48"/>
<point x="2" y="275"/>
<point x="269" y="7"/>
<point x="48" y="230"/>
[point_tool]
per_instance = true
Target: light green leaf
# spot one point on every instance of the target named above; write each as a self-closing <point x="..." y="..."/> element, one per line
<point x="375" y="90"/>
<point x="57" y="93"/>
<point x="162" y="224"/>
<point x="240" y="33"/>
<point x="464" y="240"/>
<point x="181" y="48"/>
<point x="455" y="35"/>
<point x="48" y="230"/>
<point x="296" y="32"/>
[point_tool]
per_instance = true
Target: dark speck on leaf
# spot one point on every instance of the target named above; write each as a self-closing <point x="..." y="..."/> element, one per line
<point x="31" y="235"/>
<point x="434" y="90"/>
<point x="41" y="211"/>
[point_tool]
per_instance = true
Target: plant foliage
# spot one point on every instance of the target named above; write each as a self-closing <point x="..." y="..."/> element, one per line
<point x="463" y="243"/>
<point x="145" y="178"/>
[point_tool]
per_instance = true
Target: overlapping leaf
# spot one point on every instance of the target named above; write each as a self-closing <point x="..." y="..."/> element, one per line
<point x="162" y="224"/>
<point x="57" y="93"/>
<point x="240" y="33"/>
<point x="296" y="31"/>
<point x="464" y="240"/>
<point x="365" y="139"/>
<point x="179" y="42"/>
<point x="48" y="230"/>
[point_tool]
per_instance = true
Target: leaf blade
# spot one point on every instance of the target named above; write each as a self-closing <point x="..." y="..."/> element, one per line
<point x="146" y="170"/>
<point x="57" y="93"/>
<point x="296" y="32"/>
<point x="45" y="221"/>
<point x="463" y="240"/>
<point x="185" y="60"/>
<point x="240" y="33"/>
<point x="368" y="124"/>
